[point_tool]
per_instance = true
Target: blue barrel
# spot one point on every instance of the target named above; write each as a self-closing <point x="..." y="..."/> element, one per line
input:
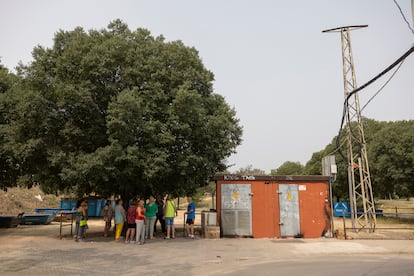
<point x="341" y="208"/>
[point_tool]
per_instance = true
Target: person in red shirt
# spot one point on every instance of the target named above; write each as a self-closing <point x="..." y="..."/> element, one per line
<point x="139" y="220"/>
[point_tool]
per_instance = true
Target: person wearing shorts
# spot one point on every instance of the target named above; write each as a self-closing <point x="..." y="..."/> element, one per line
<point x="130" y="233"/>
<point x="190" y="218"/>
<point x="170" y="212"/>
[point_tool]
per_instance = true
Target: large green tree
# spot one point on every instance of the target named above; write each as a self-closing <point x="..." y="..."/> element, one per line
<point x="289" y="168"/>
<point x="117" y="111"/>
<point x="390" y="155"/>
<point x="8" y="171"/>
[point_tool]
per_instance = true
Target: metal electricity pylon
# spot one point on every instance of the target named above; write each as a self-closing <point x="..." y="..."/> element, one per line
<point x="359" y="179"/>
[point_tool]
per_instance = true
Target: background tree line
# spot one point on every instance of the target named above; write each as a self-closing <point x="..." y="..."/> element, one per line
<point x="115" y="112"/>
<point x="390" y="148"/>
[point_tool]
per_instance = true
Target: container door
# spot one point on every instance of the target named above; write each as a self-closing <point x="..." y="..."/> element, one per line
<point x="289" y="210"/>
<point x="236" y="211"/>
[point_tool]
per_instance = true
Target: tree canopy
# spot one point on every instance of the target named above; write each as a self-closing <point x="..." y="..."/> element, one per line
<point x="288" y="168"/>
<point x="114" y="111"/>
<point x="390" y="154"/>
<point x="249" y="170"/>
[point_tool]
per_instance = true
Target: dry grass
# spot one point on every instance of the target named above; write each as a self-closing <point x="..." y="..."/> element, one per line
<point x="202" y="204"/>
<point x="17" y="200"/>
<point x="399" y="206"/>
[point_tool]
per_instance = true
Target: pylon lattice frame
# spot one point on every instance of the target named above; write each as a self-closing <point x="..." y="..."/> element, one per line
<point x="359" y="178"/>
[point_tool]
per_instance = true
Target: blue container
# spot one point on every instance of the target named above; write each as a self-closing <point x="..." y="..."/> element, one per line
<point x="100" y="204"/>
<point x="67" y="204"/>
<point x="95" y="206"/>
<point x="92" y="207"/>
<point x="341" y="209"/>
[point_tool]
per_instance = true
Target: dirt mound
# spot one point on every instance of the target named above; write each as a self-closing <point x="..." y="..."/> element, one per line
<point x="17" y="200"/>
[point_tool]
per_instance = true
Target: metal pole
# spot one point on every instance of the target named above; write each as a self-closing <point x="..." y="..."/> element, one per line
<point x="343" y="219"/>
<point x="71" y="225"/>
<point x="184" y="228"/>
<point x="351" y="196"/>
<point x="412" y="10"/>
<point x="332" y="211"/>
<point x="60" y="231"/>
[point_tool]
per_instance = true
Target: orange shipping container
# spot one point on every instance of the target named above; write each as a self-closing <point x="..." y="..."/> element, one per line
<point x="273" y="206"/>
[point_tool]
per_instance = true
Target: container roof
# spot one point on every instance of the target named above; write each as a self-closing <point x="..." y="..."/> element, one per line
<point x="233" y="177"/>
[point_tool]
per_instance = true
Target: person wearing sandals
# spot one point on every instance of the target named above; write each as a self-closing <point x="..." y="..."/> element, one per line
<point x="170" y="212"/>
<point x="139" y="220"/>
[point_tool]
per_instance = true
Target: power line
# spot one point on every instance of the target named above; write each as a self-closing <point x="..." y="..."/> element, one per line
<point x="386" y="70"/>
<point x="403" y="16"/>
<point x="337" y="149"/>
<point x="383" y="86"/>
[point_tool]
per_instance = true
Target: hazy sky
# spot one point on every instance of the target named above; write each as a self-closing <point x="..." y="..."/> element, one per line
<point x="270" y="59"/>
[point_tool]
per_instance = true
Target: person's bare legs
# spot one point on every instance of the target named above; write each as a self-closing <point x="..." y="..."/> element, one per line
<point x="132" y="234"/>
<point x="168" y="232"/>
<point x="187" y="229"/>
<point x="128" y="235"/>
<point x="192" y="230"/>
<point x="106" y="230"/>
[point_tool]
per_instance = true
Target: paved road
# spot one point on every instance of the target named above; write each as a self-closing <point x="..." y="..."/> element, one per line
<point x="335" y="265"/>
<point x="37" y="251"/>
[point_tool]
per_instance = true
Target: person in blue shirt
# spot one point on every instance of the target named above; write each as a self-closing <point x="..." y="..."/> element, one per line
<point x="190" y="217"/>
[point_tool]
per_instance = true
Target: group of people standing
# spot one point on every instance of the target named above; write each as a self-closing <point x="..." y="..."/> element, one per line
<point x="140" y="218"/>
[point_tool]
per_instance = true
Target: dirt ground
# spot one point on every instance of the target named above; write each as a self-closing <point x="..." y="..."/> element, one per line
<point x="386" y="229"/>
<point x="37" y="250"/>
